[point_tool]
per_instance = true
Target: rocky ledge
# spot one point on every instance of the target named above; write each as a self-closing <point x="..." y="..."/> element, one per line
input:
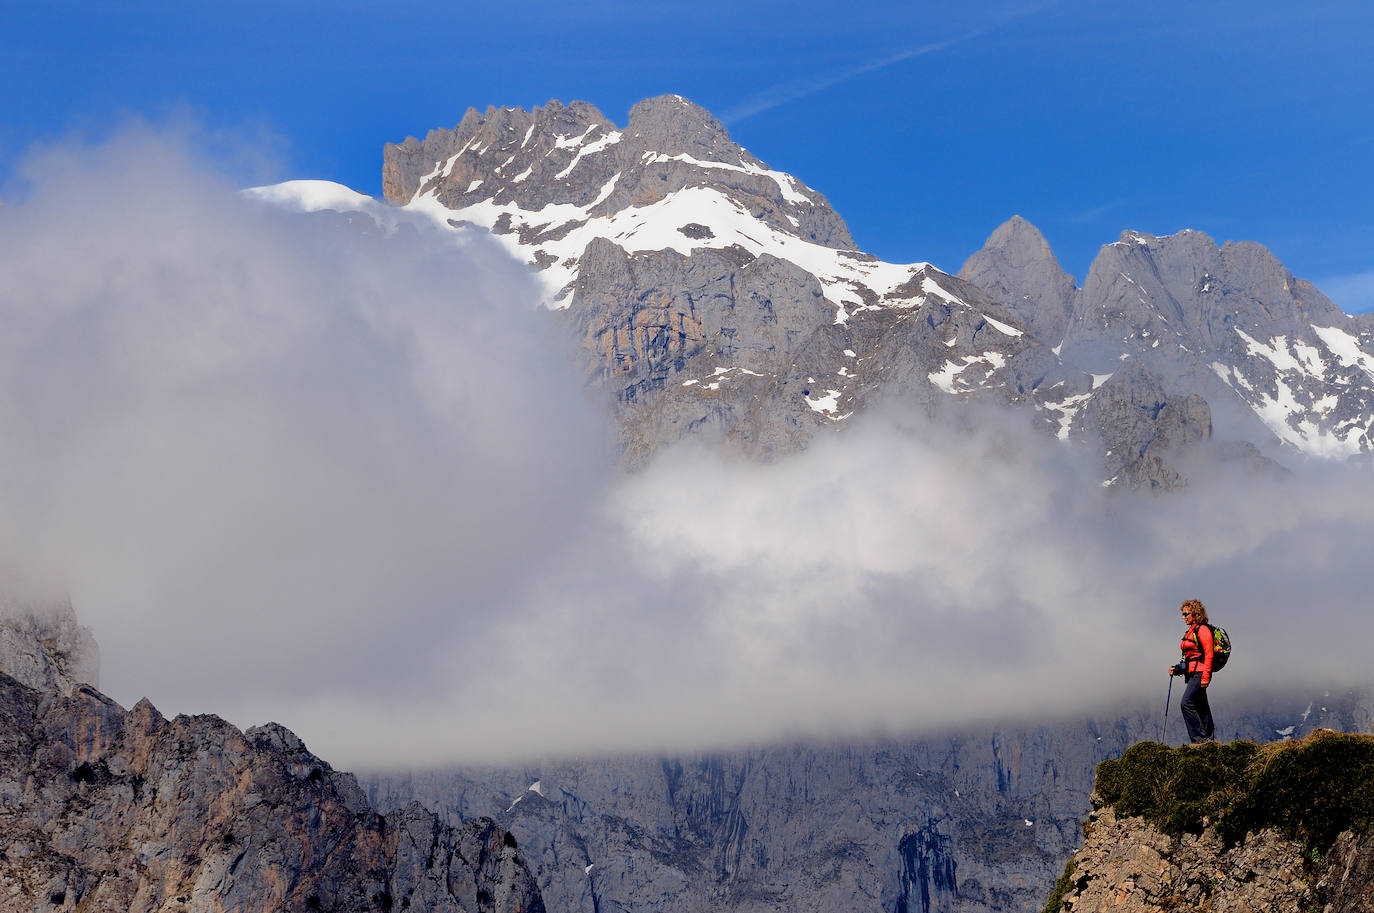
<point x="1229" y="829"/>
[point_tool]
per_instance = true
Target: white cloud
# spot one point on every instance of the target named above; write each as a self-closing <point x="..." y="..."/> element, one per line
<point x="272" y="456"/>
<point x="907" y="575"/>
<point x="297" y="468"/>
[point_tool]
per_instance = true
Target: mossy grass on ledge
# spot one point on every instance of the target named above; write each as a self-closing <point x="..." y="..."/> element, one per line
<point x="1309" y="790"/>
<point x="1061" y="887"/>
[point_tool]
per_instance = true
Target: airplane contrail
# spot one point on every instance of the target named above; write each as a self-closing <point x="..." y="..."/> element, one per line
<point x="799" y="89"/>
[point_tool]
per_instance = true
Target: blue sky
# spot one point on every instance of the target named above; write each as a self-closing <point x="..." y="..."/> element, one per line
<point x="925" y="125"/>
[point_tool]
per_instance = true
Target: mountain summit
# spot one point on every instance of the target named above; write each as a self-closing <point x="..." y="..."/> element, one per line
<point x="1017" y="266"/>
<point x="550" y="180"/>
<point x="716" y="296"/>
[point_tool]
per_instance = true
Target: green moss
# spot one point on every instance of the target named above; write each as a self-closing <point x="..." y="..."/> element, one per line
<point x="1313" y="789"/>
<point x="1309" y="790"/>
<point x="1061" y="887"/>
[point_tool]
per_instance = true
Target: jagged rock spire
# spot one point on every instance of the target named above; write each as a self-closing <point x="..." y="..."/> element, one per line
<point x="1017" y="267"/>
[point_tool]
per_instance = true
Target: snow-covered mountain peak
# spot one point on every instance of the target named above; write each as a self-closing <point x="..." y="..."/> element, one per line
<point x="549" y="181"/>
<point x="714" y="292"/>
<point x="675" y="126"/>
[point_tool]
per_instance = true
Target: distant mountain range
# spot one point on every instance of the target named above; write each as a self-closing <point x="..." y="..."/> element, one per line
<point x="106" y="809"/>
<point x="720" y="300"/>
<point x="717" y="297"/>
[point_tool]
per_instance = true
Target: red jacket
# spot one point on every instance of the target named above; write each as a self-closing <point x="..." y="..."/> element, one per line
<point x="1197" y="651"/>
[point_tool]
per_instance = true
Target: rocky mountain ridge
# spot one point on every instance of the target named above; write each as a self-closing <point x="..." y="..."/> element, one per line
<point x="103" y="809"/>
<point x="970" y="821"/>
<point x="716" y="296"/>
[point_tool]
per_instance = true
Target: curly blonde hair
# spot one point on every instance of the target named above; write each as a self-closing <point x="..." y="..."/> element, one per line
<point x="1197" y="608"/>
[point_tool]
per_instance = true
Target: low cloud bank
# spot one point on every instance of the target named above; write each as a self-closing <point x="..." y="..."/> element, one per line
<point x="272" y="455"/>
<point x="908" y="575"/>
<point x="301" y="468"/>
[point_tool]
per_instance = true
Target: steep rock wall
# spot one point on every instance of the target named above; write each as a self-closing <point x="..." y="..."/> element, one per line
<point x="113" y="810"/>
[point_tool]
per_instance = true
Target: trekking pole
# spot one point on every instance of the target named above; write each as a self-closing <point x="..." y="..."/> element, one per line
<point x="1167" y="701"/>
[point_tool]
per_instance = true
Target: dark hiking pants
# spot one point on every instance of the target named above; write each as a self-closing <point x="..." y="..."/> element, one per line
<point x="1197" y="713"/>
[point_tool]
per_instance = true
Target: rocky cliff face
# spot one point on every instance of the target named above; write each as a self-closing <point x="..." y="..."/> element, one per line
<point x="112" y="810"/>
<point x="973" y="821"/>
<point x="521" y="163"/>
<point x="713" y="295"/>
<point x="1127" y="866"/>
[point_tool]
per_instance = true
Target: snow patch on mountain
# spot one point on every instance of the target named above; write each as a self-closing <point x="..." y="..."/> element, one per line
<point x="557" y="234"/>
<point x="950" y="379"/>
<point x="1066" y="411"/>
<point x="787" y="185"/>
<point x="1291" y="421"/>
<point x="828" y="405"/>
<point x="600" y="145"/>
<point x="1346" y="347"/>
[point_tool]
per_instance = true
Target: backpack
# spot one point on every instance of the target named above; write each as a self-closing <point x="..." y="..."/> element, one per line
<point x="1221" y="646"/>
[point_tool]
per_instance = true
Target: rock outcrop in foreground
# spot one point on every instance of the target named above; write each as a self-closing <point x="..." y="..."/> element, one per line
<point x="1230" y="829"/>
<point x="103" y="809"/>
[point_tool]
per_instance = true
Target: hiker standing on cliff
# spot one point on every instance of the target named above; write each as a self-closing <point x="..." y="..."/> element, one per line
<point x="1196" y="669"/>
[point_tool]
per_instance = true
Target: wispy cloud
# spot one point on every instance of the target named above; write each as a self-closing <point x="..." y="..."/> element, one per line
<point x="802" y="88"/>
<point x="795" y="91"/>
<point x="1095" y="213"/>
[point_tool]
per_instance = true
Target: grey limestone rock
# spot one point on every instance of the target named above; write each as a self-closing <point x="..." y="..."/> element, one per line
<point x="1280" y="368"/>
<point x="1346" y="882"/>
<point x="758" y="342"/>
<point x="43" y="646"/>
<point x="113" y="810"/>
<point x="1126" y="865"/>
<point x="1141" y="428"/>
<point x="1228" y="322"/>
<point x="569" y="154"/>
<point x="1017" y="267"/>
<point x="681" y="338"/>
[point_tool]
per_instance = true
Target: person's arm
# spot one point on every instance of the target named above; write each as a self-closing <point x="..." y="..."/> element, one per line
<point x="1204" y="636"/>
